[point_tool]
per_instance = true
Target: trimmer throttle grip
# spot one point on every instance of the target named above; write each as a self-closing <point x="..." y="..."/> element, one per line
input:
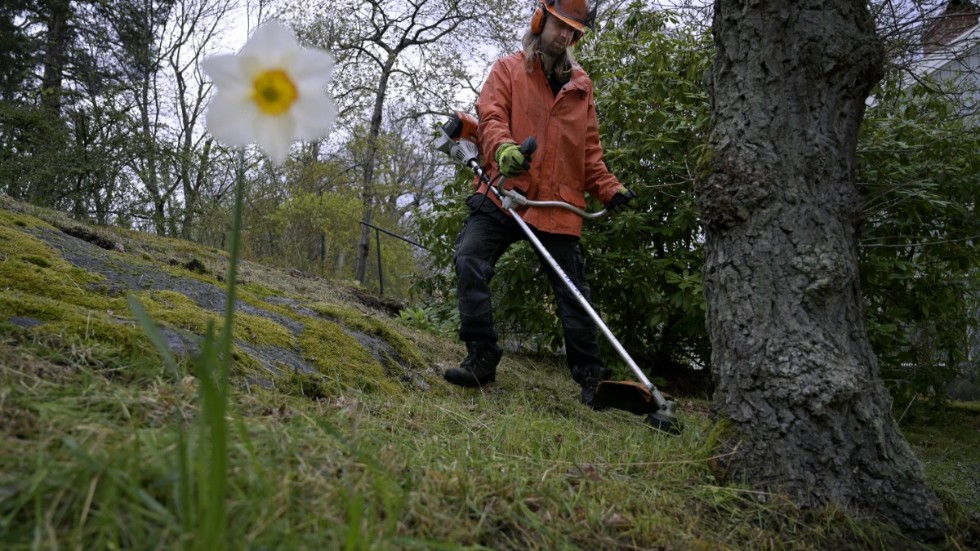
<point x="527" y="148"/>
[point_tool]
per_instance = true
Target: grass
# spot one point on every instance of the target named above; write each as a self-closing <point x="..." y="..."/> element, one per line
<point x="95" y="466"/>
<point x="948" y="443"/>
<point x="344" y="472"/>
<point x="101" y="439"/>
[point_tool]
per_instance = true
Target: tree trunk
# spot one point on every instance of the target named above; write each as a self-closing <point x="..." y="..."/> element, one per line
<point x="148" y="165"/>
<point x="795" y="375"/>
<point x="368" y="196"/>
<point x="55" y="54"/>
<point x="194" y="185"/>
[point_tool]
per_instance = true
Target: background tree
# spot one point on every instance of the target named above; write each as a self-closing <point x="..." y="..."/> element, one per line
<point x="169" y="93"/>
<point x="917" y="177"/>
<point x="918" y="35"/>
<point x="795" y="374"/>
<point x="43" y="43"/>
<point x="195" y="29"/>
<point x="917" y="174"/>
<point x="394" y="50"/>
<point x="74" y="90"/>
<point x="16" y="48"/>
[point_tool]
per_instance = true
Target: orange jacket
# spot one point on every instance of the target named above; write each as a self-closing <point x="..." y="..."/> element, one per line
<point x="568" y="161"/>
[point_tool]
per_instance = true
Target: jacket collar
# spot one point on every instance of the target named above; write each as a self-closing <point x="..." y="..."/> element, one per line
<point x="579" y="78"/>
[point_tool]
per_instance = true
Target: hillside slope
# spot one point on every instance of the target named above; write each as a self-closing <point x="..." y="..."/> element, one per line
<point x="343" y="434"/>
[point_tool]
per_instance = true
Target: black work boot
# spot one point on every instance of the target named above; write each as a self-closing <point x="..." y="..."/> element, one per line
<point x="478" y="368"/>
<point x="589" y="377"/>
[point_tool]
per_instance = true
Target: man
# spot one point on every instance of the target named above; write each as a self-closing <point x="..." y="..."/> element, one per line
<point x="538" y="92"/>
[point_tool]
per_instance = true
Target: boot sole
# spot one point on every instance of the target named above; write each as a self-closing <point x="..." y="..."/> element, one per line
<point x="467" y="380"/>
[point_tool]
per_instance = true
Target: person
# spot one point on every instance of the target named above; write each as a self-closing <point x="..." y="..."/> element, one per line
<point x="542" y="92"/>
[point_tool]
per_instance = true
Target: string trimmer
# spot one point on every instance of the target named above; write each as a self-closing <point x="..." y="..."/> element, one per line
<point x="459" y="141"/>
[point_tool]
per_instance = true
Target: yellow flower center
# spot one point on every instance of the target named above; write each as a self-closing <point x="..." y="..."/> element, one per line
<point x="274" y="92"/>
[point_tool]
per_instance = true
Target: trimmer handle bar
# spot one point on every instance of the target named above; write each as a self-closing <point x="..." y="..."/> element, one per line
<point x="513" y="199"/>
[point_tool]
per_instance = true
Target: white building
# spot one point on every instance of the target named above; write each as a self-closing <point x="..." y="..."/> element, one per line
<point x="951" y="59"/>
<point x="951" y="52"/>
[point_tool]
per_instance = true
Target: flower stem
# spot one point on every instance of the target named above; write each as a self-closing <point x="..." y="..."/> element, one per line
<point x="215" y="384"/>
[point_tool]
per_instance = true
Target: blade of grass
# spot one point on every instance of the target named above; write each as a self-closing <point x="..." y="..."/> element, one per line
<point x="212" y="465"/>
<point x="155" y="335"/>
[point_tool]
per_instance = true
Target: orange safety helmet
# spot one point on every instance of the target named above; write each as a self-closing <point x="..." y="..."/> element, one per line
<point x="573" y="12"/>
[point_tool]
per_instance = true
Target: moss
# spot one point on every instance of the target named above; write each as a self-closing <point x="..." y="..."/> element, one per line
<point x="306" y="385"/>
<point x="76" y="318"/>
<point x="262" y="331"/>
<point x="9" y="217"/>
<point x="77" y="325"/>
<point x="175" y="309"/>
<point x="949" y="448"/>
<point x="73" y="310"/>
<point x="38" y="261"/>
<point x="167" y="247"/>
<point x="246" y="294"/>
<point x="76" y="336"/>
<point x="970" y="407"/>
<point x="408" y="353"/>
<point x="245" y="369"/>
<point x="195" y="249"/>
<point x="33" y="267"/>
<point x="260" y="292"/>
<point x="98" y="237"/>
<point x="177" y="269"/>
<point x="342" y="360"/>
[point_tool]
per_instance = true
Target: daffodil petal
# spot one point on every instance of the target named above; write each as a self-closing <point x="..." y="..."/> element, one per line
<point x="271" y="45"/>
<point x="312" y="68"/>
<point x="230" y="119"/>
<point x="274" y="135"/>
<point x="314" y="115"/>
<point x="227" y="73"/>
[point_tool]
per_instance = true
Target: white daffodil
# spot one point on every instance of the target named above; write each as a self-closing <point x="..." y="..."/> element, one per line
<point x="270" y="93"/>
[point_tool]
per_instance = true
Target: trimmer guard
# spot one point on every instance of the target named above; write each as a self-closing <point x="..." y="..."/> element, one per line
<point x="630" y="396"/>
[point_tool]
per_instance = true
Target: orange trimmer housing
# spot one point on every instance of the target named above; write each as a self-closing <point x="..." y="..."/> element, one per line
<point x="462" y="126"/>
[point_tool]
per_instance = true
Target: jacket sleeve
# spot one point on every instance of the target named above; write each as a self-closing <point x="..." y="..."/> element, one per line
<point x="493" y="107"/>
<point x="599" y="182"/>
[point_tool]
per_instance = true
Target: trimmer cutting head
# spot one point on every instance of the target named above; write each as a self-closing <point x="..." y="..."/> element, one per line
<point x="636" y="398"/>
<point x="664" y="422"/>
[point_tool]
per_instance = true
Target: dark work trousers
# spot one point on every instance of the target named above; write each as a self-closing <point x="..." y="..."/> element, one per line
<point x="487" y="234"/>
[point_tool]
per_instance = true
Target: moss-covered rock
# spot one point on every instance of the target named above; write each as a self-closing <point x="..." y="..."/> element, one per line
<point x="67" y="284"/>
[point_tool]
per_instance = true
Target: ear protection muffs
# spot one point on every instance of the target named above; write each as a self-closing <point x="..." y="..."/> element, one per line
<point x="537" y="19"/>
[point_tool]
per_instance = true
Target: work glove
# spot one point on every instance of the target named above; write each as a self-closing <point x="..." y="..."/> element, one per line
<point x="619" y="201"/>
<point x="510" y="160"/>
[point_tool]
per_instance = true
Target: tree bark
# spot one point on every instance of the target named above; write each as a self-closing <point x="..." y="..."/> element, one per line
<point x="55" y="54"/>
<point x="368" y="195"/>
<point x="796" y="379"/>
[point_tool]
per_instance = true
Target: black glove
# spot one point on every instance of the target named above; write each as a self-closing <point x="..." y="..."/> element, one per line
<point x="619" y="201"/>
